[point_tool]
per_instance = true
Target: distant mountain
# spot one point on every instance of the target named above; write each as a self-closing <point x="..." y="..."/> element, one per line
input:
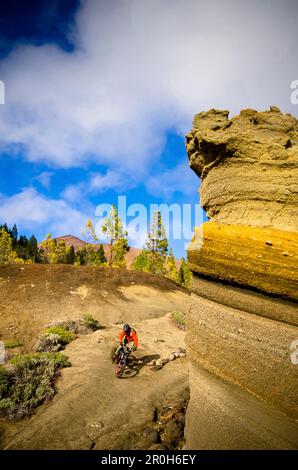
<point x="77" y="243"/>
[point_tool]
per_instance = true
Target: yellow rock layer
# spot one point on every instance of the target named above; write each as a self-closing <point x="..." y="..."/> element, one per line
<point x="258" y="257"/>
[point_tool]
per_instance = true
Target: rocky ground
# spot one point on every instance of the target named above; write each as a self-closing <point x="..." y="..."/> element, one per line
<point x="92" y="408"/>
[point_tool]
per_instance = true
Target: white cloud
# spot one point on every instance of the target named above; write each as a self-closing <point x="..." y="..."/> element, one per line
<point x="141" y="68"/>
<point x="179" y="179"/>
<point x="162" y="183"/>
<point x="97" y="183"/>
<point x="33" y="211"/>
<point x="44" y="178"/>
<point x="111" y="180"/>
<point x="74" y="192"/>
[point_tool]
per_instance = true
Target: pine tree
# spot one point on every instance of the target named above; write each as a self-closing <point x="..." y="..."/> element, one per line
<point x="91" y="256"/>
<point x="141" y="262"/>
<point x="7" y="253"/>
<point x="53" y="252"/>
<point x="22" y="247"/>
<point x="185" y="274"/>
<point x="157" y="238"/>
<point x="101" y="255"/>
<point x="33" y="251"/>
<point x="5" y="227"/>
<point x="94" y="259"/>
<point x="26" y="249"/>
<point x="81" y="256"/>
<point x="60" y="252"/>
<point x="120" y="248"/>
<point x="171" y="268"/>
<point x="113" y="228"/>
<point x="14" y="235"/>
<point x="157" y="244"/>
<point x="70" y="255"/>
<point x="48" y="248"/>
<point x="89" y="232"/>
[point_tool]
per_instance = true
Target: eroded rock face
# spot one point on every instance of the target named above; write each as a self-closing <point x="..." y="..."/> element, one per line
<point x="249" y="171"/>
<point x="247" y="350"/>
<point x="248" y="166"/>
<point x="259" y="257"/>
<point x="240" y="341"/>
<point x="242" y="380"/>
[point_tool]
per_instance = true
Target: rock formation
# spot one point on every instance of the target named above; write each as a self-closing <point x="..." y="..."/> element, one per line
<point x="248" y="166"/>
<point x="242" y="382"/>
<point x="249" y="171"/>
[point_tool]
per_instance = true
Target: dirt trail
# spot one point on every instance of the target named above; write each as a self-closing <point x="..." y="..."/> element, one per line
<point x="93" y="409"/>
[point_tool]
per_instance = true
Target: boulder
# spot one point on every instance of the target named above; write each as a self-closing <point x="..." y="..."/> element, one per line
<point x="172" y="435"/>
<point x="151" y="435"/>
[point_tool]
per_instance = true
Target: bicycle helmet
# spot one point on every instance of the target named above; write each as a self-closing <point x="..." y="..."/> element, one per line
<point x="126" y="328"/>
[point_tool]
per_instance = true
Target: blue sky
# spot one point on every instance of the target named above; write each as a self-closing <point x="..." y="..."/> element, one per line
<point x="99" y="95"/>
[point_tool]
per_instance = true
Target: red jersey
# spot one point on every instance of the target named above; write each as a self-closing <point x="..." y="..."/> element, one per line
<point x="129" y="337"/>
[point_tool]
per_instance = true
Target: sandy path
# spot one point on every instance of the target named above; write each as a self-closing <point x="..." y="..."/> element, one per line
<point x="94" y="409"/>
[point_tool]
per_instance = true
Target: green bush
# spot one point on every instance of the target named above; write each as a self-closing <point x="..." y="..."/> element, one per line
<point x="90" y="322"/>
<point x="179" y="319"/>
<point x="58" y="336"/>
<point x="4" y="381"/>
<point x="49" y="343"/>
<point x="65" y="336"/>
<point x="30" y="383"/>
<point x="12" y="344"/>
<point x="57" y="359"/>
<point x="71" y="325"/>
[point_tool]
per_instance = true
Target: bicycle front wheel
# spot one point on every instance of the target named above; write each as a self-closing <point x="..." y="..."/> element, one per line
<point x="119" y="370"/>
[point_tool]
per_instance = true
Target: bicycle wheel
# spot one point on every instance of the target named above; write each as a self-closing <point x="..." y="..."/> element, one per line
<point x="119" y="370"/>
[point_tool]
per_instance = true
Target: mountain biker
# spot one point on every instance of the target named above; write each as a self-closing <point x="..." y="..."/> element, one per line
<point x="127" y="335"/>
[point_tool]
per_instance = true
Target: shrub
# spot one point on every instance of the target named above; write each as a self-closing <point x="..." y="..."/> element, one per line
<point x="49" y="343"/>
<point x="12" y="344"/>
<point x="71" y="325"/>
<point x="54" y="339"/>
<point x="179" y="319"/>
<point x="58" y="336"/>
<point x="142" y="262"/>
<point x="4" y="381"/>
<point x="185" y="274"/>
<point x="90" y="322"/>
<point x="30" y="383"/>
<point x="30" y="361"/>
<point x="65" y="336"/>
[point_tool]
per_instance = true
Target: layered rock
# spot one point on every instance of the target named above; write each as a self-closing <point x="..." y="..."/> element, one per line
<point x="247" y="350"/>
<point x="249" y="171"/>
<point x="242" y="381"/>
<point x="243" y="384"/>
<point x="260" y="257"/>
<point x="248" y="166"/>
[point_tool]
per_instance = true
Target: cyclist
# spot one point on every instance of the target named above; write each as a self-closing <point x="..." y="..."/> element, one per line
<point x="127" y="335"/>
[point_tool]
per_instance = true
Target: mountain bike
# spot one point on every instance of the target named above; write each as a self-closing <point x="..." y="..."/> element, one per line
<point x="121" y="360"/>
